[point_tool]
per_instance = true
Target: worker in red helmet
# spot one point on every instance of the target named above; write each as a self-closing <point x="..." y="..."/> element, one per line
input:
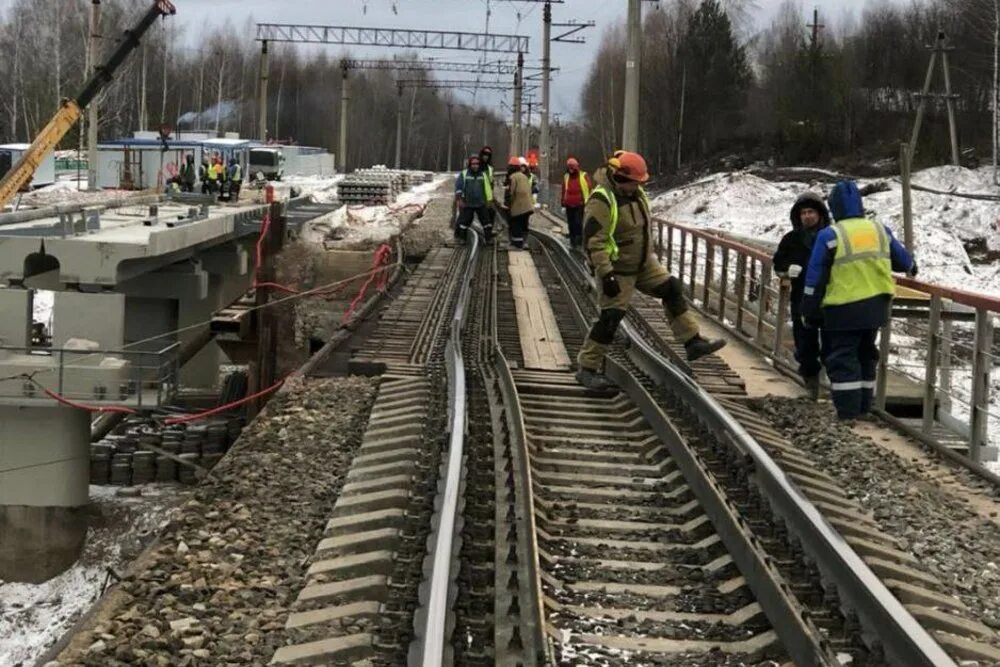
<point x="618" y="241"/>
<point x="576" y="189"/>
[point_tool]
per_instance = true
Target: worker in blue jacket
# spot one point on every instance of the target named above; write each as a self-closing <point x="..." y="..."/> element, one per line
<point x="848" y="292"/>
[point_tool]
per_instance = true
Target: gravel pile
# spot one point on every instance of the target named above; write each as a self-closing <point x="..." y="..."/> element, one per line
<point x="217" y="588"/>
<point x="955" y="543"/>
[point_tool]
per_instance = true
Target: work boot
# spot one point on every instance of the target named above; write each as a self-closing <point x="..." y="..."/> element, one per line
<point x="698" y="347"/>
<point x="812" y="386"/>
<point x="593" y="380"/>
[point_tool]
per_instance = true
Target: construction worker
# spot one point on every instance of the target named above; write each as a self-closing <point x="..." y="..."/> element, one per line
<point x="618" y="238"/>
<point x="472" y="192"/>
<point x="486" y="164"/>
<point x="235" y="179"/>
<point x="575" y="192"/>
<point x="809" y="215"/>
<point x="848" y="291"/>
<point x="213" y="176"/>
<point x="188" y="175"/>
<point x="517" y="203"/>
<point x="203" y="176"/>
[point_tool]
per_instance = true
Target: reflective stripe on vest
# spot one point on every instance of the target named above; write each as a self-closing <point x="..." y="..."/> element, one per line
<point x="487" y="183"/>
<point x="862" y="265"/>
<point x="611" y="246"/>
<point x="584" y="188"/>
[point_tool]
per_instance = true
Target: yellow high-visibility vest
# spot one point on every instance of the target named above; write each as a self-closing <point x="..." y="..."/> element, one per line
<point x="611" y="246"/>
<point x="862" y="265"/>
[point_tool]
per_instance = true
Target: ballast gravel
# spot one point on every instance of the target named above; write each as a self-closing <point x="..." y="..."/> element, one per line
<point x="217" y="588"/>
<point x="953" y="542"/>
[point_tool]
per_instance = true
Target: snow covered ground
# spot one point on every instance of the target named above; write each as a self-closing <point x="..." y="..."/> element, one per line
<point x="33" y="617"/>
<point x="744" y="204"/>
<point x="356" y="224"/>
<point x="322" y="189"/>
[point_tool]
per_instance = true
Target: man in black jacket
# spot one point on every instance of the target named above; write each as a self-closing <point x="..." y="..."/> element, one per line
<point x="809" y="215"/>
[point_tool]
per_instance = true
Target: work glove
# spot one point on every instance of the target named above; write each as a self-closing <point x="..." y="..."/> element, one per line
<point x="794" y="271"/>
<point x="459" y="203"/>
<point x="913" y="270"/>
<point x="610" y="286"/>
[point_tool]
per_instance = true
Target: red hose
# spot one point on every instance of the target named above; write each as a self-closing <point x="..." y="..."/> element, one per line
<point x="118" y="409"/>
<point x="223" y="408"/>
<point x="382" y="257"/>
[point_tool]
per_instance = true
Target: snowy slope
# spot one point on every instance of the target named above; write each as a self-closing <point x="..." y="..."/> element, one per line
<point x="744" y="204"/>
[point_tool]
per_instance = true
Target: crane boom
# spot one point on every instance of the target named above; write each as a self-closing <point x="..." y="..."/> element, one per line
<point x="70" y="110"/>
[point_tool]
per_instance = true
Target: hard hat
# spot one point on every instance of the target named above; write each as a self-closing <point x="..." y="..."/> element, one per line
<point x="629" y="165"/>
<point x="572" y="163"/>
<point x="514" y="162"/>
<point x="523" y="161"/>
<point x="486" y="150"/>
<point x="473" y="158"/>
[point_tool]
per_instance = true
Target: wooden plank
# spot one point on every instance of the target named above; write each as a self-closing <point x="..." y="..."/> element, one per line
<point x="541" y="343"/>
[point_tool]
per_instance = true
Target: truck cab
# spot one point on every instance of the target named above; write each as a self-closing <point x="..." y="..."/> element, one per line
<point x="267" y="161"/>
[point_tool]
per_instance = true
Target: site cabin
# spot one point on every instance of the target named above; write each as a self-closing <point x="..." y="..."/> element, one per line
<point x="44" y="175"/>
<point x="140" y="163"/>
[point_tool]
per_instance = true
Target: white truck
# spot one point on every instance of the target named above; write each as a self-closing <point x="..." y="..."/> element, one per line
<point x="267" y="161"/>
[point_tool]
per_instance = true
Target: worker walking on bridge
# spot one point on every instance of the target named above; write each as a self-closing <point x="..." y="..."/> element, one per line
<point x="518" y="203"/>
<point x="472" y="192"/>
<point x="848" y="292"/>
<point x="618" y="238"/>
<point x="809" y="215"/>
<point x="575" y="192"/>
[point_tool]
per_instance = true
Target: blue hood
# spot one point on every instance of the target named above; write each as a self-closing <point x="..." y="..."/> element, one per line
<point x="845" y="201"/>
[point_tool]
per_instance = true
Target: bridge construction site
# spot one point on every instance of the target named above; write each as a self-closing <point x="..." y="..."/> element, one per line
<point x="312" y="418"/>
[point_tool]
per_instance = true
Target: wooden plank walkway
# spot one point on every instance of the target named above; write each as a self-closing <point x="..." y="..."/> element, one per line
<point x="541" y="344"/>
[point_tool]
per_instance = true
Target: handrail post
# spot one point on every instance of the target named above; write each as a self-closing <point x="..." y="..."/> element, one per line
<point x="765" y="281"/>
<point x="709" y="273"/>
<point x="930" y="370"/>
<point x="723" y="284"/>
<point x="979" y="409"/>
<point x="659" y="241"/>
<point x="784" y="301"/>
<point x="681" y="257"/>
<point x="741" y="290"/>
<point x="670" y="248"/>
<point x="694" y="266"/>
<point x="946" y="333"/>
<point x="882" y="379"/>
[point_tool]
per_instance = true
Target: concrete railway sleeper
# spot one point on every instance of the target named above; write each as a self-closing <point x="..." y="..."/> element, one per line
<point x="870" y="597"/>
<point x="364" y="578"/>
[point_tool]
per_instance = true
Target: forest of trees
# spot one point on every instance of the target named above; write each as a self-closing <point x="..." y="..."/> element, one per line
<point x="755" y="92"/>
<point x="776" y="94"/>
<point x="213" y="85"/>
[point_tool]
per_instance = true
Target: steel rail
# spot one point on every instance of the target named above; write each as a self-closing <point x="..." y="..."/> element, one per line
<point x="432" y="622"/>
<point x="900" y="636"/>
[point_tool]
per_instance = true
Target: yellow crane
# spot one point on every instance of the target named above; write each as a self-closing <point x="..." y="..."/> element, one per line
<point x="70" y="111"/>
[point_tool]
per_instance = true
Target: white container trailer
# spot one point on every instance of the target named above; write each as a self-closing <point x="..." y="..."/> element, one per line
<point x="44" y="175"/>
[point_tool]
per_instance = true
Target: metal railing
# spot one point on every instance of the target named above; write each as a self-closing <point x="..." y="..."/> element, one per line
<point x="131" y="378"/>
<point x="938" y="354"/>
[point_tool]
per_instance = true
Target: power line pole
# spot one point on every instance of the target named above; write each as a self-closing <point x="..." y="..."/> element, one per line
<point x="92" y="109"/>
<point x="345" y="96"/>
<point x="633" y="61"/>
<point x="940" y="47"/>
<point x="264" y="74"/>
<point x="143" y="112"/>
<point x="399" y="126"/>
<point x="515" y="131"/>
<point x="680" y="115"/>
<point x="815" y="26"/>
<point x="543" y="149"/>
<point x="450" y="137"/>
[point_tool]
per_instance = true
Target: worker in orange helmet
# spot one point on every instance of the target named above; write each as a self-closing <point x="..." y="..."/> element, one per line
<point x="618" y="241"/>
<point x="575" y="192"/>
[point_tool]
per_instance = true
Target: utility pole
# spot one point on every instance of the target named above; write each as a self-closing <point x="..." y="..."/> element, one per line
<point x="399" y="126"/>
<point x="143" y="113"/>
<point x="515" y="132"/>
<point x="92" y="115"/>
<point x="815" y="26"/>
<point x="345" y="96"/>
<point x="543" y="149"/>
<point x="996" y="90"/>
<point x="264" y="75"/>
<point x="940" y="47"/>
<point x="904" y="172"/>
<point x="633" y="61"/>
<point x="450" y="136"/>
<point x="680" y="114"/>
<point x="526" y="141"/>
<point x="481" y="117"/>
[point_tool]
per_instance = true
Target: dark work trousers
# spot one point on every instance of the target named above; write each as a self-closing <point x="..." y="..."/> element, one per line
<point x="807" y="346"/>
<point x="851" y="359"/>
<point x="465" y="220"/>
<point x="518" y="229"/>
<point x="574" y="218"/>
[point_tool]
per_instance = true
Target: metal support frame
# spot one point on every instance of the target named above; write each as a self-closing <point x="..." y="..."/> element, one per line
<point x="391" y="37"/>
<point x="930" y="369"/>
<point x="882" y="379"/>
<point x="709" y="274"/>
<point x="981" y="367"/>
<point x="265" y="66"/>
<point x="765" y="280"/>
<point x="345" y="97"/>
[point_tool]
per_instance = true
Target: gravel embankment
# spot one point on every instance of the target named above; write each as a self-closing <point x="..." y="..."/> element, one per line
<point x="217" y="588"/>
<point x="958" y="545"/>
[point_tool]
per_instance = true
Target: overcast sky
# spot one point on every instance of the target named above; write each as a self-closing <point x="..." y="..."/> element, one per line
<point x="507" y="17"/>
